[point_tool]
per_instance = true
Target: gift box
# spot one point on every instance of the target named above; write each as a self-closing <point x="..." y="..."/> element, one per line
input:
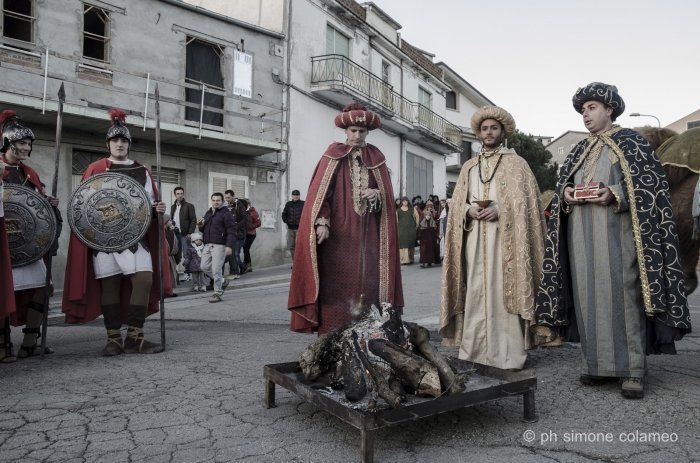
<point x="587" y="190"/>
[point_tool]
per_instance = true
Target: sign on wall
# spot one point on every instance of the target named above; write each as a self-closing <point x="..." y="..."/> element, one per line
<point x="268" y="219"/>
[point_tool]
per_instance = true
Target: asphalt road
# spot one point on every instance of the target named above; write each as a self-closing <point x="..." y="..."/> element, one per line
<point x="201" y="400"/>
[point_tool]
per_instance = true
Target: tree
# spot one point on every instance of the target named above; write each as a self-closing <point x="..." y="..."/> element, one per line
<point x="537" y="157"/>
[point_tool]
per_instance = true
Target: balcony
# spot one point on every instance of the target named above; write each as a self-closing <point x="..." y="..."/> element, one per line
<point x="336" y="78"/>
<point x="30" y="79"/>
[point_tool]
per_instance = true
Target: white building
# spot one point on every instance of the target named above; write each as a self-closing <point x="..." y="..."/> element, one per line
<point x="462" y="102"/>
<point x="342" y="51"/>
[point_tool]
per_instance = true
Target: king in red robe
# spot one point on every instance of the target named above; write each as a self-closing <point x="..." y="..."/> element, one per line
<point x="349" y="214"/>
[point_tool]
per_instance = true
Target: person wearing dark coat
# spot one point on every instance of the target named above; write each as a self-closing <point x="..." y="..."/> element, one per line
<point x="218" y="229"/>
<point x="242" y="220"/>
<point x="428" y="234"/>
<point x="291" y="216"/>
<point x="250" y="236"/>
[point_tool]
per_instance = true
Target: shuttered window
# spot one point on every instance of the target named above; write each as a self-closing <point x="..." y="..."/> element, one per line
<point x="170" y="179"/>
<point x="243" y="74"/>
<point x="219" y="183"/>
<point x="337" y="43"/>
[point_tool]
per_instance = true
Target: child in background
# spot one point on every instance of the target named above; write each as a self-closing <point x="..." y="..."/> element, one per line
<point x="193" y="262"/>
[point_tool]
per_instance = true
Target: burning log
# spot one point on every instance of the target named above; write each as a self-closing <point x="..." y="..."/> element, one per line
<point x="420" y="339"/>
<point x="371" y="353"/>
<point x="414" y="371"/>
<point x="383" y="389"/>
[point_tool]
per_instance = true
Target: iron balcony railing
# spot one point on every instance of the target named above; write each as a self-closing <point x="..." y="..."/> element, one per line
<point x="337" y="69"/>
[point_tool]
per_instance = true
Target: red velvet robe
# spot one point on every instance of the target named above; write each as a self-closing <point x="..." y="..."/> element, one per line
<point x="7" y="287"/>
<point x="20" y="299"/>
<point x="82" y="293"/>
<point x="326" y="278"/>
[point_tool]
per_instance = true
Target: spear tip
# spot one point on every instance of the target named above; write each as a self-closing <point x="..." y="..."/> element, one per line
<point x="62" y="93"/>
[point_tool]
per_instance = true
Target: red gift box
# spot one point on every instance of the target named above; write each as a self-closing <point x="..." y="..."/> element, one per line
<point x="587" y="190"/>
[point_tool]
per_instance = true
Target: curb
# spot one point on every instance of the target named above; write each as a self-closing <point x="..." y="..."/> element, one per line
<point x="56" y="317"/>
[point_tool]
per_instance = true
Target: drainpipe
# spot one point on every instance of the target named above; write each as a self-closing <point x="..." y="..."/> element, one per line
<point x="402" y="165"/>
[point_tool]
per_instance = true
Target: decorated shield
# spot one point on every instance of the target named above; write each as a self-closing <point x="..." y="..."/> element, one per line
<point x="109" y="212"/>
<point x="30" y="223"/>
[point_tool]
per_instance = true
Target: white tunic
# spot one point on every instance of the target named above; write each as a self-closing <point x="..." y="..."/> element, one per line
<point x="125" y="262"/>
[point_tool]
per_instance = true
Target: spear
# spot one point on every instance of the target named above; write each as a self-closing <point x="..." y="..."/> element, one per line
<point x="54" y="192"/>
<point x="160" y="224"/>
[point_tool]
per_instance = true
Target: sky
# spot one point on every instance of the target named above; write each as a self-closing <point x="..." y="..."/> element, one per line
<point x="530" y="56"/>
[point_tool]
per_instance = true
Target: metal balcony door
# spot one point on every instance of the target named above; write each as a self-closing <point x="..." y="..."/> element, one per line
<point x="419" y="176"/>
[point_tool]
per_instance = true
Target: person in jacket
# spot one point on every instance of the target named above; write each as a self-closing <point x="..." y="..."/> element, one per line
<point x="218" y="229"/>
<point x="428" y="236"/>
<point x="173" y="246"/>
<point x="291" y="216"/>
<point x="250" y="237"/>
<point x="242" y="220"/>
<point x="185" y="219"/>
<point x="193" y="262"/>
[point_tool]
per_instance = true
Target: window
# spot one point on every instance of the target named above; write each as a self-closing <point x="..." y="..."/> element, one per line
<point x="451" y="100"/>
<point x="18" y="20"/>
<point x="337" y="43"/>
<point x="81" y="160"/>
<point x="561" y="150"/>
<point x="386" y="72"/>
<point x="96" y="28"/>
<point x="465" y="155"/>
<point x="170" y="179"/>
<point x="203" y="66"/>
<point x="424" y="97"/>
<point x="693" y="124"/>
<point x="243" y="74"/>
<point x="219" y="183"/>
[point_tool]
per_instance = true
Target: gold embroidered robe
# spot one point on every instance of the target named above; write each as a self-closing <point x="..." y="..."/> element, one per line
<point x="483" y="285"/>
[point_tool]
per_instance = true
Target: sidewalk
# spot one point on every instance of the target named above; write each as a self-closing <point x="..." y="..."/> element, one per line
<point x="259" y="277"/>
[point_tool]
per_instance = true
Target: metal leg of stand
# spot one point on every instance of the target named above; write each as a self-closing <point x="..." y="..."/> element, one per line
<point x="269" y="394"/>
<point x="367" y="446"/>
<point x="529" y="414"/>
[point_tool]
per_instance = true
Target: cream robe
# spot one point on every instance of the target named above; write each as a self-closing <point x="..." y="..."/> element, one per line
<point x="491" y="335"/>
<point x="483" y="300"/>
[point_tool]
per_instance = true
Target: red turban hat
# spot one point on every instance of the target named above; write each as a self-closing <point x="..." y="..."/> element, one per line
<point x="357" y="115"/>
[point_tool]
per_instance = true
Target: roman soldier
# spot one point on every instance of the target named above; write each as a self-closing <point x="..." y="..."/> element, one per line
<point x="121" y="286"/>
<point x="29" y="281"/>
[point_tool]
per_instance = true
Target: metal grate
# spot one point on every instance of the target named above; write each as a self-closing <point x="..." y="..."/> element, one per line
<point x="82" y="159"/>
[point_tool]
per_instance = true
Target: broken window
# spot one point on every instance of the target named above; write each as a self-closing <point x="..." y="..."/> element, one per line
<point x="95" y="33"/>
<point x="203" y="66"/>
<point x="18" y="20"/>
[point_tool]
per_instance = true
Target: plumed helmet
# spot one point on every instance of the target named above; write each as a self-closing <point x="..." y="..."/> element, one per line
<point x="118" y="128"/>
<point x="493" y="112"/>
<point x="598" y="91"/>
<point x="355" y="114"/>
<point x="12" y="129"/>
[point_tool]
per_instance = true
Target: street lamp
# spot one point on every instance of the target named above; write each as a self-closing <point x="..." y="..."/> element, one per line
<point x="647" y="115"/>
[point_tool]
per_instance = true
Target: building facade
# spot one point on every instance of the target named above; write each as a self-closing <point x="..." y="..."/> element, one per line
<point x="691" y="121"/>
<point x="561" y="146"/>
<point x="342" y="51"/>
<point x="462" y="102"/>
<point x="222" y="113"/>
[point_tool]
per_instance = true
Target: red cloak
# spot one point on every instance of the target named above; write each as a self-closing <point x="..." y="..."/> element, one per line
<point x="82" y="293"/>
<point x="326" y="278"/>
<point x="7" y="287"/>
<point x="20" y="299"/>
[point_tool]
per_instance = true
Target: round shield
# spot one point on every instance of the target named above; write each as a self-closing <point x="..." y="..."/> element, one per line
<point x="109" y="212"/>
<point x="30" y="223"/>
